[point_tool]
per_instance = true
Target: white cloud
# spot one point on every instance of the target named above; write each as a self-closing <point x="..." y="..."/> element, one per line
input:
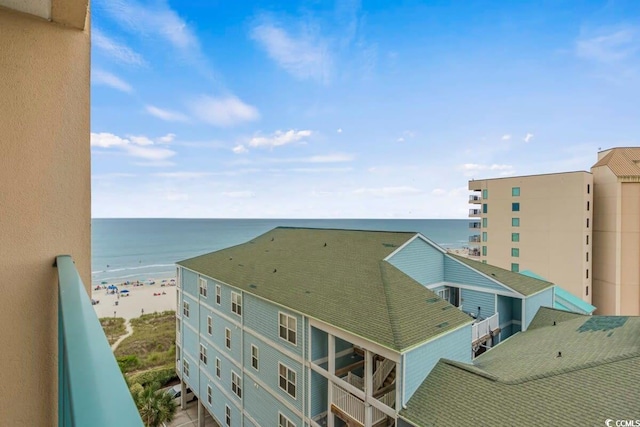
<point x="166" y="115"/>
<point x="140" y="140"/>
<point x="439" y="192"/>
<point x="388" y="191"/>
<point x="339" y="130"/>
<point x="506" y="137"/>
<point x="480" y="167"/>
<point x="319" y="170"/>
<point x="615" y="45"/>
<point x="107" y="140"/>
<point x="305" y="55"/>
<point x="167" y="139"/>
<point x="279" y="138"/>
<point x="149" y="153"/>
<point x="528" y="137"/>
<point x="401" y="139"/>
<point x="224" y="112"/>
<point x="330" y="158"/>
<point x="105" y="78"/>
<point x="240" y="149"/>
<point x="238" y="194"/>
<point x="135" y="146"/>
<point x="117" y="51"/>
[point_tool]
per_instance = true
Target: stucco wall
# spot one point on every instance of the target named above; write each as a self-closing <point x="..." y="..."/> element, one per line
<point x="45" y="202"/>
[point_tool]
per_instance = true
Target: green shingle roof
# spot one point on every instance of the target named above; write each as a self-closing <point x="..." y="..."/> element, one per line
<point x="516" y="281"/>
<point x="339" y="277"/>
<point x="523" y="382"/>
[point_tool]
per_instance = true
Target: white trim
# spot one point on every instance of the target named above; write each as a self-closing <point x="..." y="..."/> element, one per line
<point x="238" y="386"/>
<point x="202" y="286"/>
<point x="338" y="381"/>
<point x="257" y="357"/>
<point x="218" y="312"/>
<point x="295" y="384"/>
<point x="440" y="335"/>
<point x="203" y="353"/>
<point x="277" y="396"/>
<point x="227" y="338"/>
<point x="416" y="236"/>
<point x="339" y="354"/>
<point x="218" y="292"/>
<point x="209" y="325"/>
<point x="218" y="368"/>
<point x="239" y="306"/>
<point x="485" y="275"/>
<point x="227" y="415"/>
<point x="275" y="345"/>
<point x="288" y="316"/>
<point x="543" y="290"/>
<point x="478" y="288"/>
<point x="288" y="421"/>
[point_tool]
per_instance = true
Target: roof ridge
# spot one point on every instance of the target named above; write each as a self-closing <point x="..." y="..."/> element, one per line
<point x="363" y="230"/>
<point x="385" y="286"/>
<point x="472" y="369"/>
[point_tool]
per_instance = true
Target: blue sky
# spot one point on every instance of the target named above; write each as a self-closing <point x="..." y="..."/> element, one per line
<point x="349" y="109"/>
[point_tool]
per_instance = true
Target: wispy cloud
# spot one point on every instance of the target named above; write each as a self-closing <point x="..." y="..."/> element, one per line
<point x="470" y="169"/>
<point x="183" y="175"/>
<point x="240" y="149"/>
<point x="609" y="45"/>
<point x="279" y="138"/>
<point x="321" y="158"/>
<point x="223" y="111"/>
<point x="115" y="50"/>
<point x="305" y="55"/>
<point x="238" y="194"/>
<point x="506" y="137"/>
<point x="166" y="115"/>
<point x="388" y="191"/>
<point x="528" y="137"/>
<point x="140" y="147"/>
<point x="101" y="77"/>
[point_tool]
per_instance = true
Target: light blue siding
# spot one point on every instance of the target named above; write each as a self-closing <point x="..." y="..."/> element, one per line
<point x="471" y="300"/>
<point x="193" y="380"/>
<point x="190" y="342"/>
<point x="189" y="282"/>
<point x="319" y="342"/>
<point x="419" y="362"/>
<point x="262" y="317"/>
<point x="533" y="303"/>
<point x="194" y="310"/>
<point x="505" y="308"/>
<point x="264" y="408"/>
<point x="420" y="261"/>
<point x="319" y="386"/>
<point x="457" y="272"/>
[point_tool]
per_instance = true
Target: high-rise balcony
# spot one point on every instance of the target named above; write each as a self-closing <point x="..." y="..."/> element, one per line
<point x="474" y="253"/>
<point x="91" y="388"/>
<point x="475" y="212"/>
<point x="474" y="238"/>
<point x="475" y="198"/>
<point x="475" y="224"/>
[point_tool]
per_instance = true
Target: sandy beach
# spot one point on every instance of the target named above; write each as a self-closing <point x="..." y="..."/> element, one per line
<point x="138" y="298"/>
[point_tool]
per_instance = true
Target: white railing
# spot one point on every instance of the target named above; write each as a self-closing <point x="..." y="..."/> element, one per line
<point x="354" y="380"/>
<point x="348" y="403"/>
<point x="484" y="327"/>
<point x="388" y="399"/>
<point x="382" y="373"/>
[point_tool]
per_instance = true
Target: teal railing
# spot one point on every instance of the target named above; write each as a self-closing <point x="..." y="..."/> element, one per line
<point x="91" y="388"/>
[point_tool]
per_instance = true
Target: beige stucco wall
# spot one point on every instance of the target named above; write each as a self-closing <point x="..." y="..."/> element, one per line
<point x="553" y="229"/>
<point x="44" y="202"/>
<point x="630" y="249"/>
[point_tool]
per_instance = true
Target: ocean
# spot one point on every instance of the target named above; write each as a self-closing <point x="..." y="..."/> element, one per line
<point x="141" y="249"/>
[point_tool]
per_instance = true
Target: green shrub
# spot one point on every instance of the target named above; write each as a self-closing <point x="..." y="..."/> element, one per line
<point x="128" y="363"/>
<point x="162" y="376"/>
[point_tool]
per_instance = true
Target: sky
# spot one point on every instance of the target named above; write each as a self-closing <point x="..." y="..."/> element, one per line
<point x="348" y="109"/>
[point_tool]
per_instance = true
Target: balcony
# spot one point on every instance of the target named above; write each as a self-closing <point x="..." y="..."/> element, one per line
<point x="351" y="408"/>
<point x="475" y="224"/>
<point x="474" y="238"/>
<point x="483" y="330"/>
<point x="474" y="212"/>
<point x="474" y="253"/>
<point x="474" y="198"/>
<point x="91" y="388"/>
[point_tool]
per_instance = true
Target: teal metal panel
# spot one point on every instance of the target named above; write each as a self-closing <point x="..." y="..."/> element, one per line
<point x="478" y="303"/>
<point x="92" y="391"/>
<point x="319" y="390"/>
<point x="572" y="302"/>
<point x="420" y="361"/>
<point x="189" y="282"/>
<point x="268" y="369"/>
<point x="319" y="343"/>
<point x="457" y="272"/>
<point x="534" y="302"/>
<point x="262" y="317"/>
<point x="420" y="261"/>
<point x="263" y="407"/>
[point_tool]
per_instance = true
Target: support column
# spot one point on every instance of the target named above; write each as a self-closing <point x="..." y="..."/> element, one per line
<point x="368" y="388"/>
<point x="183" y="395"/>
<point x="331" y="362"/>
<point x="200" y="414"/>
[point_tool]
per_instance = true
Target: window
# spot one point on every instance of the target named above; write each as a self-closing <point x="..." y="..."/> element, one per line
<point x="588" y="188"/>
<point x="209" y="394"/>
<point x="236" y="386"/>
<point x="484" y="261"/>
<point x="444" y="294"/>
<point x="203" y="354"/>
<point x="587" y="256"/>
<point x="203" y="287"/>
<point x="587" y="239"/>
<point x="236" y="303"/>
<point x="178" y="279"/>
<point x="587" y="222"/>
<point x="515" y="191"/>
<point x="484" y="236"/>
<point x="485" y="208"/>
<point x="587" y="273"/>
<point x="485" y="194"/>
<point x="288" y="328"/>
<point x="515" y="267"/>
<point x="515" y="252"/>
<point x="185" y="308"/>
<point x="515" y="222"/>
<point x="587" y="290"/>
<point x="218" y="370"/>
<point x="218" y="294"/>
<point x="227" y="338"/>
<point x="178" y="324"/>
<point x="588" y="205"/>
<point x="209" y="325"/>
<point x="185" y="367"/>
<point x="485" y="221"/>
<point x="515" y="237"/>
<point x="287" y="380"/>
<point x="515" y="207"/>
<point x="484" y="251"/>
<point x="284" y="421"/>
<point x="254" y="357"/>
<point x="227" y="415"/>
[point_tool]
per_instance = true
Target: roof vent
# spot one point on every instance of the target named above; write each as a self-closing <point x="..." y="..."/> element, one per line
<point x="307" y="292"/>
<point x="272" y="239"/>
<point x="253" y="286"/>
<point x="554" y="323"/>
<point x="559" y="354"/>
<point x="325" y="244"/>
<point x="275" y="270"/>
<point x="432" y="300"/>
<point x="230" y="258"/>
<point x="442" y="325"/>
<point x="493" y="274"/>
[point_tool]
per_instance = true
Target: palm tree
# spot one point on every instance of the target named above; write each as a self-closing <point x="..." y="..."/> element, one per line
<point x="155" y="406"/>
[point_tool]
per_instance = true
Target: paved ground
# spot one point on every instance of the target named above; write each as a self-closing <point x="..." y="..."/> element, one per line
<point x="189" y="417"/>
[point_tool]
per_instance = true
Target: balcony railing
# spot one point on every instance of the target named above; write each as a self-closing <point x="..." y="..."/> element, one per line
<point x="474" y="252"/>
<point x="91" y="388"/>
<point x="473" y="198"/>
<point x="474" y="238"/>
<point x="483" y="329"/>
<point x="474" y="212"/>
<point x="474" y="224"/>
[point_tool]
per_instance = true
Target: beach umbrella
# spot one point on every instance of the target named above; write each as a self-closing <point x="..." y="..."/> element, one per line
<point x="124" y="291"/>
<point x="112" y="287"/>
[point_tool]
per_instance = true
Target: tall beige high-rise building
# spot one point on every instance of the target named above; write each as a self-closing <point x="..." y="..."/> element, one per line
<point x="616" y="231"/>
<point x="539" y="223"/>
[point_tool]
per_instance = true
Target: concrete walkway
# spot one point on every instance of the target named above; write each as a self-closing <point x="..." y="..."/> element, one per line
<point x="127" y="325"/>
<point x="189" y="417"/>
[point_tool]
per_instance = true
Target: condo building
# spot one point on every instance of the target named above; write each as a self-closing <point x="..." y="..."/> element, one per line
<point x="320" y="327"/>
<point x="616" y="231"/>
<point x="541" y="224"/>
